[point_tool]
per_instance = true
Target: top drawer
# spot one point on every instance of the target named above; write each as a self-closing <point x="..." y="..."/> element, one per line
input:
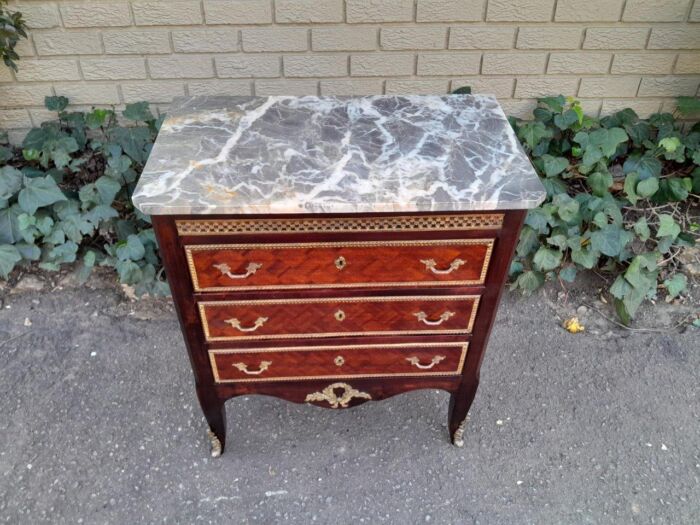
<point x="226" y="267"/>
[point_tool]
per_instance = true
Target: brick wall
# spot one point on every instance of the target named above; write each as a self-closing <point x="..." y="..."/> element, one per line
<point x="610" y="53"/>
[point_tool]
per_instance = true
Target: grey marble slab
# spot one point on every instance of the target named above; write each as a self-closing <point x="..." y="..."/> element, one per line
<point x="244" y="155"/>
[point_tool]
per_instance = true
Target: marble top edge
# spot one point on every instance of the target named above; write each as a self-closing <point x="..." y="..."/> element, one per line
<point x="381" y="153"/>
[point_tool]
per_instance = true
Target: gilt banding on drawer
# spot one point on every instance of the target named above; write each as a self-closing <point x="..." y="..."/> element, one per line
<point x="230" y="267"/>
<point x="337" y="316"/>
<point x="338" y="361"/>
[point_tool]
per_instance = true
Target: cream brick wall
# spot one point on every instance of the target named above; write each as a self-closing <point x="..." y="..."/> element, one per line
<point x="609" y="53"/>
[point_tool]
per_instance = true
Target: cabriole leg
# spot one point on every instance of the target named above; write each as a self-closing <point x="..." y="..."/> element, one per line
<point x="215" y="413"/>
<point x="459" y="412"/>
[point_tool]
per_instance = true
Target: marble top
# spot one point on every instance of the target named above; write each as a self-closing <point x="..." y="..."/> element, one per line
<point x="244" y="155"/>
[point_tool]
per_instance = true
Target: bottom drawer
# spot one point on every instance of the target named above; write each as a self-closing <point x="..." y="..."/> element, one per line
<point x="341" y="361"/>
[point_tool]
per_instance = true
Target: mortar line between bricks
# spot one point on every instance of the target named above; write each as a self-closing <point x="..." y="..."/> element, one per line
<point x="622" y="11"/>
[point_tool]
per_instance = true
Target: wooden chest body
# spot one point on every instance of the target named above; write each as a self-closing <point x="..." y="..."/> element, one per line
<point x="336" y="310"/>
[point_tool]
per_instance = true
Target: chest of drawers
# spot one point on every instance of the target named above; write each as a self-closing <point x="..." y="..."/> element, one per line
<point x="336" y="251"/>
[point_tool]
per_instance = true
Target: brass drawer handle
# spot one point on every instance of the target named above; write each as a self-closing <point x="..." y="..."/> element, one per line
<point x="225" y="269"/>
<point x="423" y="317"/>
<point x="431" y="265"/>
<point x="237" y="324"/>
<point x="415" y="361"/>
<point x="264" y="365"/>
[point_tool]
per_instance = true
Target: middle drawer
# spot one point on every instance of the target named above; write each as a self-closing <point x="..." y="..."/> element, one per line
<point x="337" y="316"/>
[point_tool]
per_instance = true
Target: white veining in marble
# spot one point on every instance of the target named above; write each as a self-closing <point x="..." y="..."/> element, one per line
<point x="244" y="155"/>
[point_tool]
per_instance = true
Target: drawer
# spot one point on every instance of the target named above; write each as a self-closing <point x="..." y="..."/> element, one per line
<point x="335" y="362"/>
<point x="337" y="316"/>
<point x="228" y="267"/>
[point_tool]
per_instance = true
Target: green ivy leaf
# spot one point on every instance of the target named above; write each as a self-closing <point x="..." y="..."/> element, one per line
<point x="631" y="180"/>
<point x="97" y="118"/>
<point x="688" y="106"/>
<point x="667" y="227"/>
<point x="65" y="209"/>
<point x="622" y="312"/>
<point x="600" y="182"/>
<point x="554" y="165"/>
<point x="9" y="257"/>
<point x="138" y="111"/>
<point x="607" y="140"/>
<point x="538" y="219"/>
<point x="56" y="103"/>
<point x="591" y="156"/>
<point x="610" y="240"/>
<point x="49" y="266"/>
<point x="529" y="281"/>
<point x="638" y="275"/>
<point x="676" y="285"/>
<point x="101" y="212"/>
<point x="648" y="187"/>
<point x="566" y="119"/>
<point x="533" y="132"/>
<point x="56" y="236"/>
<point x="567" y="208"/>
<point x="52" y="143"/>
<point x="464" y="90"/>
<point x="639" y="132"/>
<point x="63" y="253"/>
<point x="555" y="104"/>
<point x="133" y="141"/>
<point x="129" y="271"/>
<point x="546" y="259"/>
<point x="516" y="268"/>
<point x="641" y="228"/>
<point x="620" y="287"/>
<point x="5" y="154"/>
<point x="528" y="241"/>
<point x="568" y="273"/>
<point x="645" y="165"/>
<point x="29" y="252"/>
<point x="558" y="240"/>
<point x="76" y="226"/>
<point x="632" y="301"/>
<point x="677" y="189"/>
<point x="10" y="181"/>
<point x="585" y="256"/>
<point x="648" y="260"/>
<point x="670" y="144"/>
<point x="108" y="188"/>
<point x="38" y="192"/>
<point x="86" y="266"/>
<point x="131" y="249"/>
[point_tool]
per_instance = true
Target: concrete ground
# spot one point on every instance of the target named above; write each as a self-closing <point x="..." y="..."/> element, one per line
<point x="100" y="424"/>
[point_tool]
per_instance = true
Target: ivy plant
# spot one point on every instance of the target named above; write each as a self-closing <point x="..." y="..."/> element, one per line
<point x="66" y="195"/>
<point x="618" y="192"/>
<point x="12" y="29"/>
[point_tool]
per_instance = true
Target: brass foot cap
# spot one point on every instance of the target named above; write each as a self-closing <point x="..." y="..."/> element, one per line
<point x="214" y="444"/>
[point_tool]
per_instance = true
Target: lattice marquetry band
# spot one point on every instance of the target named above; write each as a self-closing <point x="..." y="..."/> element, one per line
<point x="485" y="221"/>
